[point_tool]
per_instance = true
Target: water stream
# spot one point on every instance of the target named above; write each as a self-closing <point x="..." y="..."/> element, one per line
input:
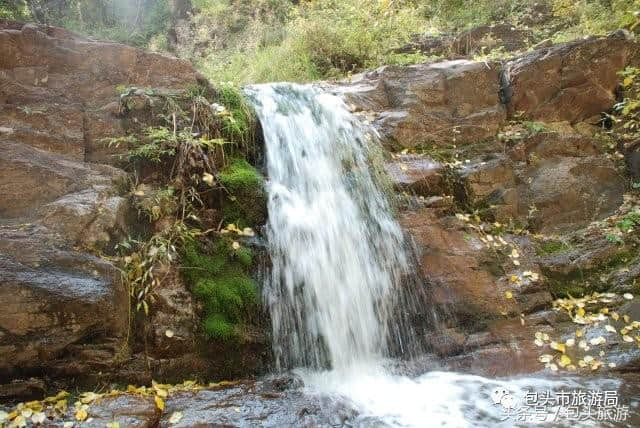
<point x="338" y="257"/>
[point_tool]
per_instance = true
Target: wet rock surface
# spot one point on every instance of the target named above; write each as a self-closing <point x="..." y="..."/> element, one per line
<point x="448" y="101"/>
<point x="537" y="199"/>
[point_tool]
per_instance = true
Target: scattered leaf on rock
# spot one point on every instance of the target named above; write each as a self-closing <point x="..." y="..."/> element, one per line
<point x="159" y="402"/>
<point x="175" y="417"/>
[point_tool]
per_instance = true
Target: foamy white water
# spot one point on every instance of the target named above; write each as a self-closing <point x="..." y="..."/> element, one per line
<point x="335" y="247"/>
<point x="447" y="399"/>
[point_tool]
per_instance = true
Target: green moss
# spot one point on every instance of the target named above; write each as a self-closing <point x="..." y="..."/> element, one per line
<point x="197" y="265"/>
<point x="567" y="288"/>
<point x="551" y="247"/>
<point x="216" y="327"/>
<point x="238" y="124"/>
<point x="222" y="283"/>
<point x="246" y="202"/>
<point x="583" y="282"/>
<point x="244" y="256"/>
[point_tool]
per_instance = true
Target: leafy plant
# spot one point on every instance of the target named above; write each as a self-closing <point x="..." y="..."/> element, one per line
<point x="629" y="221"/>
<point x="323" y="39"/>
<point x="144" y="259"/>
<point x="613" y="238"/>
<point x="535" y="127"/>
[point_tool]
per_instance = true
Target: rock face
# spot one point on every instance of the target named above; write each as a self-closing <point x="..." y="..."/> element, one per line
<point x="66" y="311"/>
<point x="552" y="180"/>
<point x="580" y="79"/>
<point x="478" y="40"/>
<point x="462" y="101"/>
<point x="452" y="101"/>
<point x="491" y="284"/>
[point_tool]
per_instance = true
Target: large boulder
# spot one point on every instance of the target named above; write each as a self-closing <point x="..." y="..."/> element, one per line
<point x="54" y="297"/>
<point x="55" y="87"/>
<point x="486" y="38"/>
<point x="441" y="103"/>
<point x="567" y="82"/>
<point x="554" y="181"/>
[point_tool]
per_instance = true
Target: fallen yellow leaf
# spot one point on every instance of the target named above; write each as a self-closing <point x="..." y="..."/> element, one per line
<point x="159" y="402"/>
<point x="81" y="414"/>
<point x="558" y="346"/>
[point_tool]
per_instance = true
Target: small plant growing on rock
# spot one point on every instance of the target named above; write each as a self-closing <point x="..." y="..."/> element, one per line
<point x="189" y="165"/>
<point x="246" y="197"/>
<point x="221" y="280"/>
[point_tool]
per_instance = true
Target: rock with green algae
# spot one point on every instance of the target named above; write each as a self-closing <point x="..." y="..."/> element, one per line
<point x="246" y="201"/>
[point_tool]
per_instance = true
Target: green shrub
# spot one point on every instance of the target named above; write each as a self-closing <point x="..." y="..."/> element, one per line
<point x="323" y="39"/>
<point x="588" y="17"/>
<point x="15" y="10"/>
<point x="552" y="247"/>
<point x="238" y="125"/>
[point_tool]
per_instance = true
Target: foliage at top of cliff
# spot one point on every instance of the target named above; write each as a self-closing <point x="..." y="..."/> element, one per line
<point x="275" y="40"/>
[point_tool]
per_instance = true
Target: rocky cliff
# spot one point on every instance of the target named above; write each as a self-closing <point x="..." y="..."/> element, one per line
<point x="63" y="210"/>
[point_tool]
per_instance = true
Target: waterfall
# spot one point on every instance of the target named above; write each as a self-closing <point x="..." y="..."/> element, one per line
<point x="337" y="259"/>
<point x="337" y="251"/>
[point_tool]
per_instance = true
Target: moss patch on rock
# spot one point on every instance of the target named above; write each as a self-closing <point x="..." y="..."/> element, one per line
<point x="221" y="280"/>
<point x="551" y="247"/>
<point x="246" y="201"/>
<point x="584" y="282"/>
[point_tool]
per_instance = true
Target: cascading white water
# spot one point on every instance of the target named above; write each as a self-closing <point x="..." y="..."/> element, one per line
<point x="335" y="247"/>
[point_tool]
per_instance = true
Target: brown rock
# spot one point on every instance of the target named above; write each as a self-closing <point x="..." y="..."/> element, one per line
<point x="451" y="101"/>
<point x="570" y="81"/>
<point x="572" y="192"/>
<point x="554" y="181"/>
<point x="53" y="297"/>
<point x="488" y="37"/>
<point x="67" y="313"/>
<point x="417" y="174"/>
<point x="458" y="267"/>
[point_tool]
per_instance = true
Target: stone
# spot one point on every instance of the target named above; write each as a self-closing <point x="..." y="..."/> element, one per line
<point x="66" y="312"/>
<point x="32" y="177"/>
<point x="553" y="181"/>
<point x="580" y="79"/>
<point x="478" y="40"/>
<point x="486" y="38"/>
<point x="465" y="276"/>
<point x="417" y="174"/>
<point x="446" y="102"/>
<point x="426" y="44"/>
<point x="53" y="298"/>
